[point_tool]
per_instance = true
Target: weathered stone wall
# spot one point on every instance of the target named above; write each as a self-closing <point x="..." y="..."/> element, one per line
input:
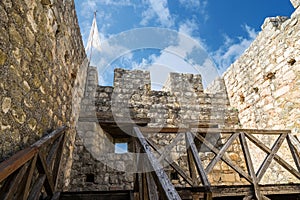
<point x="180" y="103"/>
<point x="96" y="167"/>
<point x="183" y="102"/>
<point x="42" y="72"/>
<point x="263" y="85"/>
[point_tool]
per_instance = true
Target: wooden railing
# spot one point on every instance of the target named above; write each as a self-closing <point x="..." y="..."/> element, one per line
<point x="152" y="177"/>
<point x="197" y="175"/>
<point x="32" y="173"/>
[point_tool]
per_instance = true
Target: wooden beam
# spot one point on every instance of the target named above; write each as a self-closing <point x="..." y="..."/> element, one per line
<point x="50" y="137"/>
<point x="172" y="164"/>
<point x="14" y="184"/>
<point x="250" y="166"/>
<point x="9" y="166"/>
<point x="145" y="187"/>
<point x="225" y="159"/>
<point x="163" y="130"/>
<point x="212" y="130"/>
<point x="295" y="142"/>
<point x="278" y="159"/>
<point x="294" y="152"/>
<point x="266" y="163"/>
<point x="43" y="169"/>
<point x="57" y="161"/>
<point x="10" y="187"/>
<point x="37" y="187"/>
<point x="164" y="184"/>
<point x="243" y="190"/>
<point x="192" y="166"/>
<point x="53" y="151"/>
<point x="29" y="178"/>
<point x="199" y="166"/>
<point x="221" y="153"/>
<point x="152" y="190"/>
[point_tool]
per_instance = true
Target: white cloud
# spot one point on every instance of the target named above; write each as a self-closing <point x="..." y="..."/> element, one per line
<point x="190" y="3"/>
<point x="157" y="9"/>
<point x="188" y="27"/>
<point x="199" y="5"/>
<point x="88" y="6"/>
<point x="186" y="55"/>
<point x="231" y="50"/>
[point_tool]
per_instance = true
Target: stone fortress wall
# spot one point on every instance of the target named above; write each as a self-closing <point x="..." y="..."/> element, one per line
<point x="264" y="84"/>
<point x="42" y="72"/>
<point x="181" y="103"/>
<point x="262" y="88"/>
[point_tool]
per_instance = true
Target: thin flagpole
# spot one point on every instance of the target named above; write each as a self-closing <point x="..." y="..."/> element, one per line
<point x="92" y="37"/>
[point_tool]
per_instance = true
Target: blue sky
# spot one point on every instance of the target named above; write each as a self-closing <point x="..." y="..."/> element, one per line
<point x="211" y="33"/>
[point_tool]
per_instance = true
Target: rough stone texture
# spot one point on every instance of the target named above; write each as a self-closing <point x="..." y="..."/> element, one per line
<point x="42" y="69"/>
<point x="95" y="165"/>
<point x="295" y="3"/>
<point x="182" y="102"/>
<point x="263" y="85"/>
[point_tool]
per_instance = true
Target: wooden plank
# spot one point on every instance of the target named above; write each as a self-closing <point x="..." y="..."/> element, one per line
<point x="29" y="178"/>
<point x="250" y="166"/>
<point x="225" y="159"/>
<point x="243" y="190"/>
<point x="14" y="184"/>
<point x="295" y="142"/>
<point x="221" y="153"/>
<point x="50" y="137"/>
<point x="213" y="130"/>
<point x="281" y="161"/>
<point x="9" y="166"/>
<point x="192" y="166"/>
<point x="57" y="163"/>
<point x="37" y="187"/>
<point x="152" y="190"/>
<point x="199" y="166"/>
<point x="168" y="148"/>
<point x="145" y="187"/>
<point x="43" y="169"/>
<point x="53" y="151"/>
<point x="163" y="130"/>
<point x="266" y="163"/>
<point x="140" y="182"/>
<point x="164" y="184"/>
<point x="294" y="152"/>
<point x="173" y="165"/>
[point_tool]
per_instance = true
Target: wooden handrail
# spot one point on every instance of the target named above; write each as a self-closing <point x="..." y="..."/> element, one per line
<point x="32" y="154"/>
<point x="212" y="130"/>
<point x="164" y="185"/>
<point x="9" y="166"/>
<point x="199" y="174"/>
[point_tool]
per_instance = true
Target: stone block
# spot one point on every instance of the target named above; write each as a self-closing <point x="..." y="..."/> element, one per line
<point x="295" y="3"/>
<point x="228" y="178"/>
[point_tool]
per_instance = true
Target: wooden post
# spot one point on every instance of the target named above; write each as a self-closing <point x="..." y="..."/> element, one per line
<point x="164" y="185"/>
<point x="250" y="166"/>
